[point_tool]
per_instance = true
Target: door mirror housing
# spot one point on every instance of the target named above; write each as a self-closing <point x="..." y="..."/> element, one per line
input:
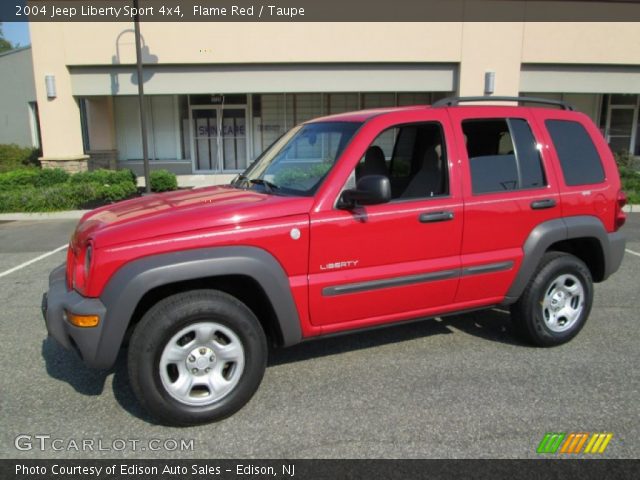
<point x="370" y="190"/>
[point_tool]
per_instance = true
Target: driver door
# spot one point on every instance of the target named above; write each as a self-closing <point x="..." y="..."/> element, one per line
<point x="382" y="263"/>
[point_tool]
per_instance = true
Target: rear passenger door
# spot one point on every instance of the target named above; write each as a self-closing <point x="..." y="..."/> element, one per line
<point x="509" y="188"/>
<point x="588" y="183"/>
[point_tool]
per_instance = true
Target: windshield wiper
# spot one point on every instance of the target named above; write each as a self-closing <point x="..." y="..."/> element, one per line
<point x="269" y="187"/>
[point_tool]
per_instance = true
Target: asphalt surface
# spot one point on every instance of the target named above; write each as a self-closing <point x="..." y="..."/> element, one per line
<point x="458" y="387"/>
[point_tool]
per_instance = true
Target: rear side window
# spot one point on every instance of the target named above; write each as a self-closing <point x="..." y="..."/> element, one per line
<point x="503" y="155"/>
<point x="578" y="156"/>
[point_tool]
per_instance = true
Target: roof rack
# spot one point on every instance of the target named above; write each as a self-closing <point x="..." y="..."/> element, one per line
<point x="454" y="101"/>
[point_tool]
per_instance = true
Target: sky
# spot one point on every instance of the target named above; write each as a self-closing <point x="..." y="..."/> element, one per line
<point x="17" y="33"/>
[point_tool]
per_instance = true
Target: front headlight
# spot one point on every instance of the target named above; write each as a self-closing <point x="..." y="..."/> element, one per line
<point x="82" y="269"/>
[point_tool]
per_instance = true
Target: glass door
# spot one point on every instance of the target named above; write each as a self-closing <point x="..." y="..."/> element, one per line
<point x="205" y="138"/>
<point x="234" y="138"/>
<point x="219" y="136"/>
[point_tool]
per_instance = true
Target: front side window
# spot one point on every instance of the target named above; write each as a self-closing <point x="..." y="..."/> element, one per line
<point x="297" y="163"/>
<point x="503" y="155"/>
<point x="412" y="156"/>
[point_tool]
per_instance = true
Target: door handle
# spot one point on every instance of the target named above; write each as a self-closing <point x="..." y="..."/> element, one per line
<point x="435" y="217"/>
<point x="542" y="204"/>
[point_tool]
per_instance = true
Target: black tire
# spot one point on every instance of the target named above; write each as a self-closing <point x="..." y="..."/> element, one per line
<point x="162" y="323"/>
<point x="529" y="313"/>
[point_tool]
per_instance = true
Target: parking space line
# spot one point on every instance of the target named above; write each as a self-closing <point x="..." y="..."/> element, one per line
<point x="33" y="260"/>
<point x="632" y="252"/>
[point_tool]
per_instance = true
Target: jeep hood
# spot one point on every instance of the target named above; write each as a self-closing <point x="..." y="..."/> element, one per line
<point x="188" y="210"/>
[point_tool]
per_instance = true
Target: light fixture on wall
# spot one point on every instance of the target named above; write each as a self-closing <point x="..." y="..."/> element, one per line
<point x="489" y="82"/>
<point x="50" y="82"/>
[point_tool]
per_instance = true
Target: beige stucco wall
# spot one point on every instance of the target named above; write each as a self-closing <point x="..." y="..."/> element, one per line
<point x="101" y="123"/>
<point x="474" y="47"/>
<point x="601" y="43"/>
<point x="59" y="117"/>
<point x="203" y="43"/>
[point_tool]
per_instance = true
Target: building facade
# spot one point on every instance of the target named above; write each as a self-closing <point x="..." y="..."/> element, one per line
<point x="18" y="107"/>
<point x="218" y="94"/>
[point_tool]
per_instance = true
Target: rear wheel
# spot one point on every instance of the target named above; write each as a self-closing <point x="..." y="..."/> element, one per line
<point x="557" y="301"/>
<point x="196" y="357"/>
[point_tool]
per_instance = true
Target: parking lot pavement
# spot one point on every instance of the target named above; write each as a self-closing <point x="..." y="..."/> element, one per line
<point x="461" y="386"/>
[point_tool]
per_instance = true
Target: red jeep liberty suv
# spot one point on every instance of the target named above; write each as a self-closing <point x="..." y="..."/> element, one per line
<point x="346" y="222"/>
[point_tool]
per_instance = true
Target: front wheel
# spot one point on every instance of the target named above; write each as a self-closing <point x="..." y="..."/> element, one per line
<point x="196" y="357"/>
<point x="557" y="301"/>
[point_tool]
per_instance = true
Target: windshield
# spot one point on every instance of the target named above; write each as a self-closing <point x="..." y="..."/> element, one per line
<point x="298" y="161"/>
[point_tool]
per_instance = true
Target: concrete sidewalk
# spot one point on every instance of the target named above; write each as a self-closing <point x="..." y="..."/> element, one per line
<point x="65" y="215"/>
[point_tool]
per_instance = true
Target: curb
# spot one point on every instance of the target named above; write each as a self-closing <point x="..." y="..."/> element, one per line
<point x="77" y="214"/>
<point x="66" y="215"/>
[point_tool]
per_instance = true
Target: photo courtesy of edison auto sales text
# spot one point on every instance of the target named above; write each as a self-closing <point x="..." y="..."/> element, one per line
<point x="135" y="469"/>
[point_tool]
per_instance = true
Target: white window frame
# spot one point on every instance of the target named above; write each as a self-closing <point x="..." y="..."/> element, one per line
<point x="634" y="122"/>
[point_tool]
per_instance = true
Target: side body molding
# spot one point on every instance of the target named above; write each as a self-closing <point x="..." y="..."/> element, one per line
<point x="548" y="233"/>
<point x="134" y="280"/>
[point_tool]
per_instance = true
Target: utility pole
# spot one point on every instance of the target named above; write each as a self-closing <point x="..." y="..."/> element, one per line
<point x="143" y="114"/>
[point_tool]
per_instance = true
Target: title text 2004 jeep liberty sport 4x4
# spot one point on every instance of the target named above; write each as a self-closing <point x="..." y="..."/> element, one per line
<point x="345" y="222"/>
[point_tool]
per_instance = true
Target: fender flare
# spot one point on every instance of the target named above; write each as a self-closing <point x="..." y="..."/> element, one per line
<point x="131" y="282"/>
<point x="547" y="233"/>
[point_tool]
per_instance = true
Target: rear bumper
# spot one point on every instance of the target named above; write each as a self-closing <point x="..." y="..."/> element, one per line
<point x="617" y="244"/>
<point x="56" y="302"/>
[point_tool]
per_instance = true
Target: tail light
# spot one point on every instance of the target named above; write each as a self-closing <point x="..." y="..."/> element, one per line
<point x="620" y="217"/>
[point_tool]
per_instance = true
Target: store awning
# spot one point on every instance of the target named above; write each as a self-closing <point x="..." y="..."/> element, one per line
<point x="580" y="79"/>
<point x="194" y="79"/>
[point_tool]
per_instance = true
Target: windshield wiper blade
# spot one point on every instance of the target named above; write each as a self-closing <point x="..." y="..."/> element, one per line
<point x="270" y="187"/>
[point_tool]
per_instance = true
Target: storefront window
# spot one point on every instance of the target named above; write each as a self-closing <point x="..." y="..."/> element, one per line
<point x="185" y="133"/>
<point x="378" y="100"/>
<point x="623" y="112"/>
<point x="224" y="133"/>
<point x="161" y="127"/>
<point x="341" y="102"/>
<point x="269" y="121"/>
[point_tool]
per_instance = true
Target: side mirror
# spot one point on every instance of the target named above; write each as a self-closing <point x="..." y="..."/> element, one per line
<point x="370" y="190"/>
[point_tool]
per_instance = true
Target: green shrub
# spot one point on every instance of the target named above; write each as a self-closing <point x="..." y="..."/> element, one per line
<point x="51" y="176"/>
<point x="32" y="190"/>
<point x="13" y="157"/>
<point x="66" y="196"/>
<point x="104" y="177"/>
<point x="32" y="177"/>
<point x="32" y="199"/>
<point x="116" y="192"/>
<point x="624" y="159"/>
<point x="630" y="184"/>
<point x="163" y="181"/>
<point x="18" y="178"/>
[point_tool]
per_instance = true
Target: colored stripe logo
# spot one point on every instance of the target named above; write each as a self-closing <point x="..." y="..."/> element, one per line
<point x="573" y="443"/>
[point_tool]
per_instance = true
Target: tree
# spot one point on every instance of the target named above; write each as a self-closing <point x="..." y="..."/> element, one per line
<point x="5" y="44"/>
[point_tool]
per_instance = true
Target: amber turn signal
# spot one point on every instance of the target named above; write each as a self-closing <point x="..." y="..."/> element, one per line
<point x="83" y="320"/>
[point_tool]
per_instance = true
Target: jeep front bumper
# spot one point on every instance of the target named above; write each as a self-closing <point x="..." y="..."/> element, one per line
<point x="56" y="303"/>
